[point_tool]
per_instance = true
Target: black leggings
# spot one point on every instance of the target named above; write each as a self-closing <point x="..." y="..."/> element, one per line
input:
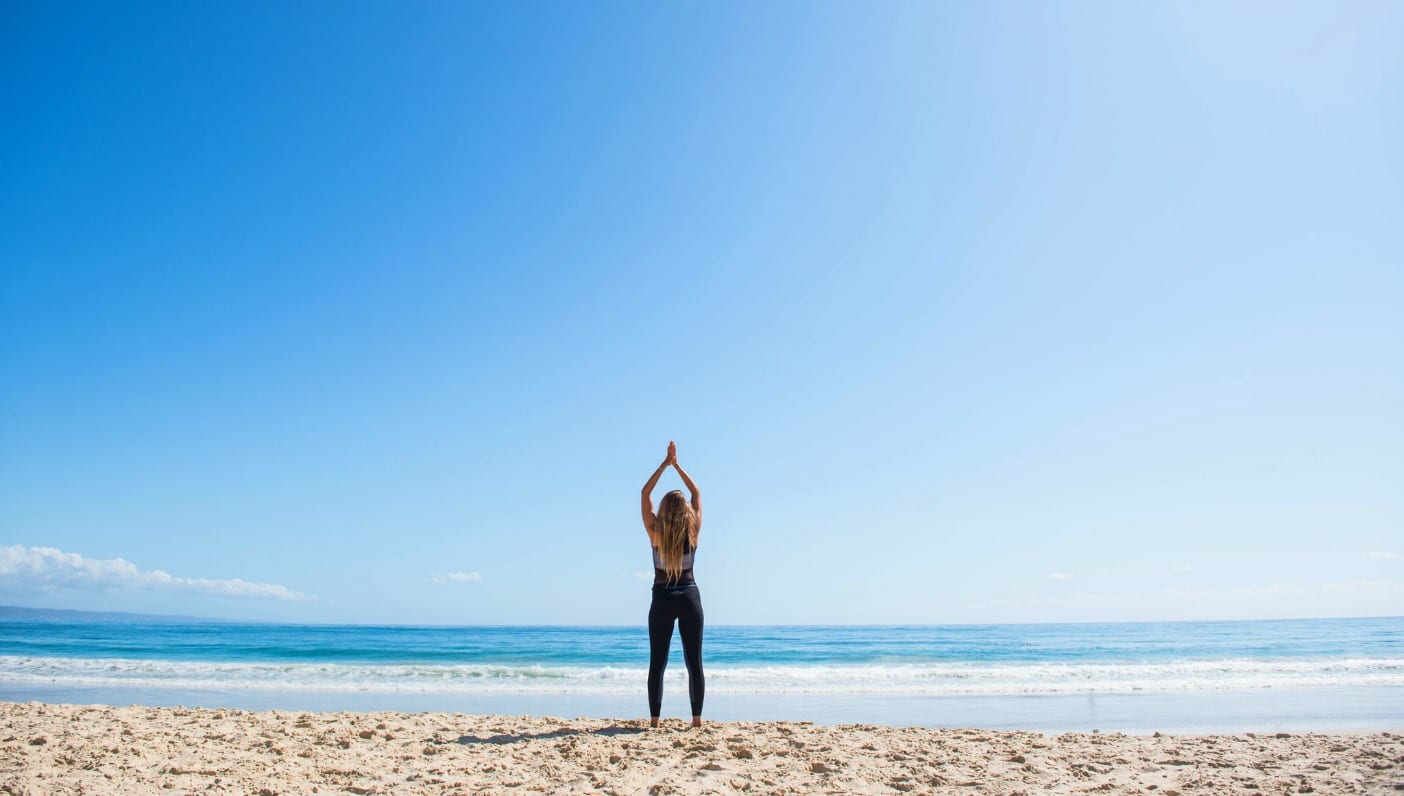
<point x="683" y="604"/>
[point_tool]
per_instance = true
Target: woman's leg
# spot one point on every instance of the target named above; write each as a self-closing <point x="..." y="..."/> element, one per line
<point x="690" y="627"/>
<point x="660" y="636"/>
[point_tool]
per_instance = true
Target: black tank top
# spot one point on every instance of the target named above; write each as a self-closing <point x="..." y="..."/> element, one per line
<point x="660" y="574"/>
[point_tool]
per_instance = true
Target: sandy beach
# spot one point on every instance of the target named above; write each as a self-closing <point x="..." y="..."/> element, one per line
<point x="71" y="749"/>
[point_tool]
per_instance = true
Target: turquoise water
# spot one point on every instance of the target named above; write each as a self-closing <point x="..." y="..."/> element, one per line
<point x="850" y="673"/>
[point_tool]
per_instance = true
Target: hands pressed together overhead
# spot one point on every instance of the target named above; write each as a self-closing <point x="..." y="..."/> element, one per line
<point x="646" y="504"/>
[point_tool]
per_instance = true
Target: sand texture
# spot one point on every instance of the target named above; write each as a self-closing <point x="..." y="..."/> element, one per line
<point x="70" y="749"/>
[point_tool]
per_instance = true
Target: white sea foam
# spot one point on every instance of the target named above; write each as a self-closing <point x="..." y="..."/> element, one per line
<point x="934" y="679"/>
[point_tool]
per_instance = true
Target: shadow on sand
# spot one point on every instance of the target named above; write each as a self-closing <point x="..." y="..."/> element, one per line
<point x="535" y="736"/>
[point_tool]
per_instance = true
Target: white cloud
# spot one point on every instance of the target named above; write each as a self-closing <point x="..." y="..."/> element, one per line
<point x="456" y="577"/>
<point x="641" y="575"/>
<point x="1059" y="576"/>
<point x="48" y="568"/>
<point x="1381" y="555"/>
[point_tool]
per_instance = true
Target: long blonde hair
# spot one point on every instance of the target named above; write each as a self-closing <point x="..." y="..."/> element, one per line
<point x="675" y="527"/>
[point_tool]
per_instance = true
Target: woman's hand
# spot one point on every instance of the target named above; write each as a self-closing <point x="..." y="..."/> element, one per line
<point x="672" y="458"/>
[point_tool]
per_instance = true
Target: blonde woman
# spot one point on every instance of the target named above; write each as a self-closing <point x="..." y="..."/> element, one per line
<point x="672" y="533"/>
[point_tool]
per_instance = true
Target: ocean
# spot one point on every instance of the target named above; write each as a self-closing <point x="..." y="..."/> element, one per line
<point x="1134" y="677"/>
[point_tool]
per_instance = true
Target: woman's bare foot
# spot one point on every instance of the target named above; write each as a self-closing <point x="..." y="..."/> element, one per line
<point x="653" y="722"/>
<point x="697" y="721"/>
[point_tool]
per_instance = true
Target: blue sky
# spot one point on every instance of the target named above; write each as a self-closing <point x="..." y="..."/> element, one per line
<point x="957" y="312"/>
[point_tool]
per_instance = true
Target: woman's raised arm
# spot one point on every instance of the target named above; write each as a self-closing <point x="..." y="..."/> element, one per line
<point x="646" y="499"/>
<point x="696" y="496"/>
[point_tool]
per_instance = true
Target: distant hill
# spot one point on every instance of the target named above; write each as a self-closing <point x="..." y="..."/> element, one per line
<point x="17" y="612"/>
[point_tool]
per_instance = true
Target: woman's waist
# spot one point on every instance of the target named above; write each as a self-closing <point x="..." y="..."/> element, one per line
<point x="661" y="580"/>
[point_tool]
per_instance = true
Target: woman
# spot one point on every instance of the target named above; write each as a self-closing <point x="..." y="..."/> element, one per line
<point x="672" y="533"/>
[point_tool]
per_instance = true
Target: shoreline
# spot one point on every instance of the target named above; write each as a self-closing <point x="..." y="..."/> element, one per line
<point x="63" y="748"/>
<point x="1323" y="709"/>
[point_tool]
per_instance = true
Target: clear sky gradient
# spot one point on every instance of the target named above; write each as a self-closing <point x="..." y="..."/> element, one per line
<point x="958" y="312"/>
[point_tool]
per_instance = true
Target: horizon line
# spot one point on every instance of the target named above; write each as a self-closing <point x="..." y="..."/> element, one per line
<point x="217" y="620"/>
